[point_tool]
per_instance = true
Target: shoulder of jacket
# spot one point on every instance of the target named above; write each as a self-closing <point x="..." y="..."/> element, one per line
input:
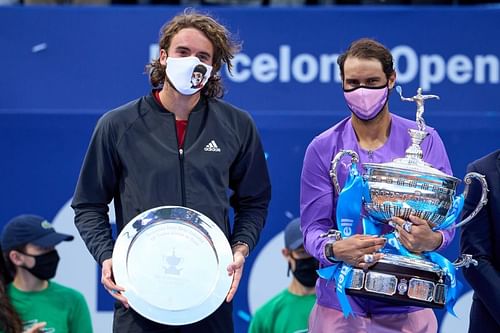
<point x="487" y="162"/>
<point x="399" y="121"/>
<point x="119" y="120"/>
<point x="331" y="134"/>
<point x="126" y="112"/>
<point x="227" y="110"/>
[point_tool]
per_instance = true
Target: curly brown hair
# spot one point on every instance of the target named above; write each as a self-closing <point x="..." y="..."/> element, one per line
<point x="366" y="48"/>
<point x="225" y="48"/>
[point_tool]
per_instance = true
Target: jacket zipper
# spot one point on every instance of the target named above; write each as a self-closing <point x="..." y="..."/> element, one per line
<point x="183" y="183"/>
<point x="181" y="162"/>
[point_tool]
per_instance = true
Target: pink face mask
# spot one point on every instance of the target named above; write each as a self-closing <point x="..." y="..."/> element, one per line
<point x="366" y="103"/>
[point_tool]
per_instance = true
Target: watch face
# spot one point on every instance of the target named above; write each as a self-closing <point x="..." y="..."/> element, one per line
<point x="329" y="250"/>
<point x="330" y="255"/>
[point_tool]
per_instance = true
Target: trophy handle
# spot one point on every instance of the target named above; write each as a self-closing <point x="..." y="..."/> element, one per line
<point x="335" y="162"/>
<point x="465" y="260"/>
<point x="484" y="195"/>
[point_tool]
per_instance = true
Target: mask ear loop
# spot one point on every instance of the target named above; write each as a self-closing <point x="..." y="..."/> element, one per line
<point x="28" y="255"/>
<point x="290" y="265"/>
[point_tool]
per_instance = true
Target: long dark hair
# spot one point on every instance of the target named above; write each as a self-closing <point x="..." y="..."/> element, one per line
<point x="9" y="319"/>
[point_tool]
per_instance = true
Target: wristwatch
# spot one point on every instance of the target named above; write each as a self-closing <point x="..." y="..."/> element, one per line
<point x="244" y="244"/>
<point x="333" y="236"/>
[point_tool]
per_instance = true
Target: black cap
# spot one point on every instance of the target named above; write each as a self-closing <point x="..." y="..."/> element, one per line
<point x="33" y="229"/>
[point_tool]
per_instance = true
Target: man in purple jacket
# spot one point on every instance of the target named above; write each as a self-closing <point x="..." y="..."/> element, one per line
<point x="377" y="136"/>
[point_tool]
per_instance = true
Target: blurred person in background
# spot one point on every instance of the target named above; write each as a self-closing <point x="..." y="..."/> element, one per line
<point x="9" y="318"/>
<point x="38" y="304"/>
<point x="289" y="310"/>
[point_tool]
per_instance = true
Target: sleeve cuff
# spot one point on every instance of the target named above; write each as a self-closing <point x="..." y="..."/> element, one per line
<point x="444" y="241"/>
<point x="243" y="244"/>
<point x="105" y="256"/>
<point x="322" y="255"/>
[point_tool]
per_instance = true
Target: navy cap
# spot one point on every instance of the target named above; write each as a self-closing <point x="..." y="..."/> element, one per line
<point x="293" y="235"/>
<point x="33" y="229"/>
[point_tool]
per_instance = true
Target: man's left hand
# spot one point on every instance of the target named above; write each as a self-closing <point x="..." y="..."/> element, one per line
<point x="236" y="270"/>
<point x="416" y="234"/>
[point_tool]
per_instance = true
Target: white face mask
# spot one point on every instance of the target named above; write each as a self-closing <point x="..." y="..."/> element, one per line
<point x="187" y="74"/>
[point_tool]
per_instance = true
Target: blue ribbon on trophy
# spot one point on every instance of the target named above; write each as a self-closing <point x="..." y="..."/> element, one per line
<point x="454" y="286"/>
<point x="347" y="214"/>
<point x="450" y="270"/>
<point x="393" y="245"/>
<point x="453" y="214"/>
<point x="370" y="226"/>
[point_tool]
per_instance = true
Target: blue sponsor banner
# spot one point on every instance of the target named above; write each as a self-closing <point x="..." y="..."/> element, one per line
<point x="62" y="67"/>
<point x="288" y="60"/>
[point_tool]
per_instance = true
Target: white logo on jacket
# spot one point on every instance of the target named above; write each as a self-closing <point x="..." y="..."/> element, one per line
<point x="212" y="146"/>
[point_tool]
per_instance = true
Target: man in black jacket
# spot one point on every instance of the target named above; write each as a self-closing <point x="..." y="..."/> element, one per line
<point x="183" y="146"/>
<point x="480" y="238"/>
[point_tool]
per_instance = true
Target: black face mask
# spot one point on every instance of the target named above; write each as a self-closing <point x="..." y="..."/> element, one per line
<point x="305" y="271"/>
<point x="45" y="265"/>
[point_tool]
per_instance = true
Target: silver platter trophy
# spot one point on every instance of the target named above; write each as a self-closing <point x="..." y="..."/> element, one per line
<point x="408" y="186"/>
<point x="172" y="262"/>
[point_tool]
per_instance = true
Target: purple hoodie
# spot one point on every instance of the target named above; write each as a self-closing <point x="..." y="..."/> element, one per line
<point x="317" y="195"/>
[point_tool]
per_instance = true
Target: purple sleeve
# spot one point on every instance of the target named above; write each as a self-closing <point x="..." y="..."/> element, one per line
<point x="435" y="154"/>
<point x="316" y="206"/>
<point x="447" y="238"/>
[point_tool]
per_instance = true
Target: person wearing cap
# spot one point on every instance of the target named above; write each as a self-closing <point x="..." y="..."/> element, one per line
<point x="28" y="245"/>
<point x="289" y="310"/>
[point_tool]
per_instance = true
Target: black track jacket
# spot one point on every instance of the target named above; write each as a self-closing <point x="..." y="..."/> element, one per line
<point x="133" y="158"/>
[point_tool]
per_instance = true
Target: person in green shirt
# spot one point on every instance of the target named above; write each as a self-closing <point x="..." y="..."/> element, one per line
<point x="9" y="318"/>
<point x="28" y="245"/>
<point x="288" y="311"/>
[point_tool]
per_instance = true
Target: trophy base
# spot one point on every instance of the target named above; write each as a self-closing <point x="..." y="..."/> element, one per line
<point x="401" y="280"/>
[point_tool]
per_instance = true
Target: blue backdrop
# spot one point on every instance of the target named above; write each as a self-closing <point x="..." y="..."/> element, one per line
<point x="61" y="68"/>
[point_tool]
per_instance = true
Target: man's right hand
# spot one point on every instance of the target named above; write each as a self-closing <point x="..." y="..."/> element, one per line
<point x="108" y="282"/>
<point x="356" y="249"/>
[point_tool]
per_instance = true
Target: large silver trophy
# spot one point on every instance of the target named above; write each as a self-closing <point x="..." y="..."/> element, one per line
<point x="408" y="186"/>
